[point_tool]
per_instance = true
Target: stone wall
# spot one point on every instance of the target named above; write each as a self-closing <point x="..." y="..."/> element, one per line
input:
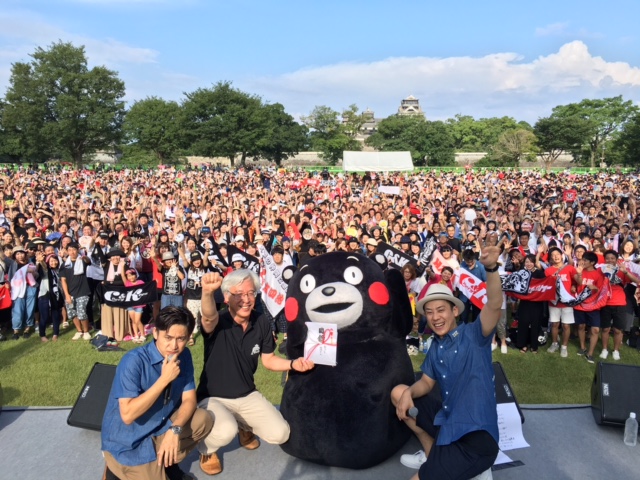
<point x="304" y="159"/>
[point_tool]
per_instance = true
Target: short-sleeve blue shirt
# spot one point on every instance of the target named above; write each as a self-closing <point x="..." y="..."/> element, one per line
<point x="461" y="364"/>
<point x="139" y="369"/>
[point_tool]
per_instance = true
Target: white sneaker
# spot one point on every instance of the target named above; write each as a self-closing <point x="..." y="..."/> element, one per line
<point x="616" y="355"/>
<point x="415" y="460"/>
<point x="503" y="349"/>
<point x="553" y="348"/>
<point x="77" y="336"/>
<point x="564" y="353"/>
<point x="604" y="354"/>
<point x="494" y="346"/>
<point x="86" y="336"/>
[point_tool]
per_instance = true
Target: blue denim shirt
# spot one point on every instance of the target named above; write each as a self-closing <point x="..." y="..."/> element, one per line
<point x="461" y="364"/>
<point x="139" y="369"/>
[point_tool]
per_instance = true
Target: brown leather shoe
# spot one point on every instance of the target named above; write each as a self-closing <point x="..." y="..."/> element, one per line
<point x="210" y="464"/>
<point x="248" y="440"/>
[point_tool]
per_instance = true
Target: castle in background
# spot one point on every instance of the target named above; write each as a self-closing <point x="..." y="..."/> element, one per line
<point x="408" y="106"/>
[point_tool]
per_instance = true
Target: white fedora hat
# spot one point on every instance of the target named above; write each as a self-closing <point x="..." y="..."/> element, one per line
<point x="437" y="291"/>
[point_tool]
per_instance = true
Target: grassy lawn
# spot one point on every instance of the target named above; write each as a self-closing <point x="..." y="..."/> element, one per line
<point x="52" y="374"/>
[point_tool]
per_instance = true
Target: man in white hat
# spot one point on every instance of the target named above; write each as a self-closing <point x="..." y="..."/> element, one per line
<point x="459" y="432"/>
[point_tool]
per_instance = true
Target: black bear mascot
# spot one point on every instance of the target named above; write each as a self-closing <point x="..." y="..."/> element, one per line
<point x="342" y="415"/>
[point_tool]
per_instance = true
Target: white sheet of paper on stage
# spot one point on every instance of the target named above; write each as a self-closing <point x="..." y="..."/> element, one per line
<point x="502" y="458"/>
<point x="510" y="427"/>
<point x="322" y="343"/>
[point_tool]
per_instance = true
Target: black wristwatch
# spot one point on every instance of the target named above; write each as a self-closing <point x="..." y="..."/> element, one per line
<point x="491" y="270"/>
<point x="176" y="429"/>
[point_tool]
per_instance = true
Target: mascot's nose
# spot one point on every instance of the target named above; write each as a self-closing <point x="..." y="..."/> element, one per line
<point x="328" y="291"/>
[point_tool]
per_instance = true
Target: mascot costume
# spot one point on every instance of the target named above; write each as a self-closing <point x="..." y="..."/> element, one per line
<point x="342" y="415"/>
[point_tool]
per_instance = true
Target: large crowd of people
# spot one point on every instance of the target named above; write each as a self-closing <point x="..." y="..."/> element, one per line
<point x="65" y="231"/>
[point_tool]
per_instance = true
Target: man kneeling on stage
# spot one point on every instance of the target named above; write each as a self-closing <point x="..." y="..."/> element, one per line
<point x="459" y="432"/>
<point x="151" y="421"/>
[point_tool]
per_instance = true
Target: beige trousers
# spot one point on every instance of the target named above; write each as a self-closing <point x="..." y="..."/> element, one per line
<point x="252" y="413"/>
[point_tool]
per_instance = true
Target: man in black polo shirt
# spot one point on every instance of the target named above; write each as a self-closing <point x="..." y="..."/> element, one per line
<point x="233" y="341"/>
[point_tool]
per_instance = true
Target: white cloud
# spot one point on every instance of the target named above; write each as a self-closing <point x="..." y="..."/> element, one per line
<point x="22" y="32"/>
<point x="497" y="84"/>
<point x="552" y="29"/>
<point x="27" y="29"/>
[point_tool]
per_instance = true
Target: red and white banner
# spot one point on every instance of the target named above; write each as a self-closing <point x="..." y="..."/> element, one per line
<point x="437" y="262"/>
<point x="540" y="290"/>
<point x="312" y="182"/>
<point x="471" y="287"/>
<point x="272" y="286"/>
<point x="569" y="195"/>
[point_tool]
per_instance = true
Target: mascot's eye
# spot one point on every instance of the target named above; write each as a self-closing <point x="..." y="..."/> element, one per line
<point x="307" y="283"/>
<point x="353" y="275"/>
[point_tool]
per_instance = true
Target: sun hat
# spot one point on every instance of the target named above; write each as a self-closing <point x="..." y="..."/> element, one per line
<point x="437" y="291"/>
<point x="131" y="271"/>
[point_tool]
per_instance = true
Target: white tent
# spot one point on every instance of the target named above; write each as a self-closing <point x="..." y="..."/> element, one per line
<point x="376" y="161"/>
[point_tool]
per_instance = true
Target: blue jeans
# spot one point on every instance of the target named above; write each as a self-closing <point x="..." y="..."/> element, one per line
<point x="171" y="300"/>
<point x="24" y="310"/>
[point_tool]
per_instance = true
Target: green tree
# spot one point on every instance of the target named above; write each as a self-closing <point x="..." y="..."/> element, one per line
<point x="559" y="133"/>
<point x="352" y="121"/>
<point x="329" y="135"/>
<point x="282" y="136"/>
<point x="471" y="135"/>
<point x="57" y="107"/>
<point x="513" y="147"/>
<point x="430" y="143"/>
<point x="153" y="124"/>
<point x="6" y="141"/>
<point x="627" y="144"/>
<point x="222" y="121"/>
<point x="604" y="116"/>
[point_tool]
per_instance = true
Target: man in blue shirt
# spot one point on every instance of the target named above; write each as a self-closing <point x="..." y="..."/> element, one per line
<point x="459" y="433"/>
<point x="151" y="421"/>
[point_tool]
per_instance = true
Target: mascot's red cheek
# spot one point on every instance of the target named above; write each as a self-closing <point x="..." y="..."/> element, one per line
<point x="378" y="293"/>
<point x="291" y="309"/>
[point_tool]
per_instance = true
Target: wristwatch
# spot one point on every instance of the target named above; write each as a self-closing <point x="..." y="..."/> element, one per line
<point x="176" y="429"/>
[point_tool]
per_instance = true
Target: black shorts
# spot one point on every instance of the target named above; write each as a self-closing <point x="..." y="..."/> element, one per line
<point x="467" y="457"/>
<point x="615" y="316"/>
<point x="592" y="319"/>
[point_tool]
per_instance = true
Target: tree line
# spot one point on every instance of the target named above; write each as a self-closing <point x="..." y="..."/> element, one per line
<point x="56" y="107"/>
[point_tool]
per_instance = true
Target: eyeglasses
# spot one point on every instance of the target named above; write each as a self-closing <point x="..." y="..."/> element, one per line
<point x="244" y="296"/>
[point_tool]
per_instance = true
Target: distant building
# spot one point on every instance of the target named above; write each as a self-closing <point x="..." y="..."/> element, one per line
<point x="410" y="106"/>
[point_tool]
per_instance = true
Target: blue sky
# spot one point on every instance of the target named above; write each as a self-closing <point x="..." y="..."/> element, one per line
<point x="476" y="58"/>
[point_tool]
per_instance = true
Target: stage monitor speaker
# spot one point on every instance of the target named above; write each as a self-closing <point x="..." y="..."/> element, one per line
<point x="92" y="401"/>
<point x="615" y="393"/>
<point x="504" y="392"/>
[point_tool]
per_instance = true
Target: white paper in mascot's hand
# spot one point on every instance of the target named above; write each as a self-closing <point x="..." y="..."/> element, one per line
<point x="321" y="343"/>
